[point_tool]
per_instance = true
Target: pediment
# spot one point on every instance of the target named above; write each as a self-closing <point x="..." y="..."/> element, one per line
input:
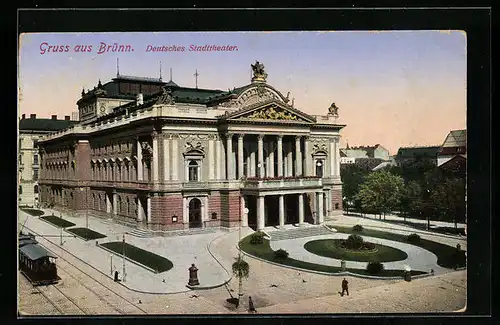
<point x="271" y="111"/>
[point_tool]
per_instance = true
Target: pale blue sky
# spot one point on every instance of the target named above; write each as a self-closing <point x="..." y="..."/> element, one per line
<point x="392" y="88"/>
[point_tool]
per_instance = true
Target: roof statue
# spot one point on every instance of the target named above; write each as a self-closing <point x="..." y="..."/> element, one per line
<point x="258" y="72"/>
<point x="333" y="110"/>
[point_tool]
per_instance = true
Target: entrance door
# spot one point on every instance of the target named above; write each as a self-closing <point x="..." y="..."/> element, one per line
<point x="195" y="213"/>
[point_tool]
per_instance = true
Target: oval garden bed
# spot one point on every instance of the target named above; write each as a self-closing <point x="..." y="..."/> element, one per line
<point x="333" y="248"/>
<point x="263" y="250"/>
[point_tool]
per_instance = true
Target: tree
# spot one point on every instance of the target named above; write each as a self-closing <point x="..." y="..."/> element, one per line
<point x="381" y="192"/>
<point x="352" y="177"/>
<point x="449" y="196"/>
<point x="241" y="270"/>
<point x="411" y="199"/>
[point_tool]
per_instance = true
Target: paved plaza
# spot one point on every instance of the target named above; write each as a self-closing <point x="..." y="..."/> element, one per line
<point x="274" y="288"/>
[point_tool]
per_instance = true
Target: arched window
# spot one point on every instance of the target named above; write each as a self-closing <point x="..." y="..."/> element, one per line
<point x="319" y="168"/>
<point x="193" y="170"/>
<point x="128" y="206"/>
<point x="20" y="190"/>
<point x="35" y="189"/>
<point x="119" y="207"/>
<point x="336" y="206"/>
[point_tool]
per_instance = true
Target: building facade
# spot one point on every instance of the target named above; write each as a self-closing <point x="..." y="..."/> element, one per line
<point x="349" y="155"/>
<point x="410" y="154"/>
<point x="166" y="157"/>
<point x="30" y="131"/>
<point x="454" y="145"/>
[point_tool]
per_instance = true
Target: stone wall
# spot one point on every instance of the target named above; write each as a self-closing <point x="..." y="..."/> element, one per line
<point x="230" y="208"/>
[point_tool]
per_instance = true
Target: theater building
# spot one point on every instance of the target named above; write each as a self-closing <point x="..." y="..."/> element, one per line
<point x="165" y="157"/>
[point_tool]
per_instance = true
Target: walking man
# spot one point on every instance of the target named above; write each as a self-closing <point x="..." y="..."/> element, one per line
<point x="251" y="307"/>
<point x="345" y="287"/>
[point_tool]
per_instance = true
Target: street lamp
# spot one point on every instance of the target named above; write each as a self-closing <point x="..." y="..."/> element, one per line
<point x="427" y="211"/>
<point x="111" y="266"/>
<point x="123" y="255"/>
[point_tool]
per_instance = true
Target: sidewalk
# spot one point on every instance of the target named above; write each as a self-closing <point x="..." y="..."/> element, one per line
<point x="182" y="251"/>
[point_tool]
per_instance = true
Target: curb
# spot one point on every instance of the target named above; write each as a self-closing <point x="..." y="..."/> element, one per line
<point x="338" y="273"/>
<point x="128" y="259"/>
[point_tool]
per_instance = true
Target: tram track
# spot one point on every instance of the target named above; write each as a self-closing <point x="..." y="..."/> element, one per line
<point x="51" y="291"/>
<point x="122" y="305"/>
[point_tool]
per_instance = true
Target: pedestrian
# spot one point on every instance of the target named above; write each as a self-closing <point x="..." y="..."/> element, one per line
<point x="345" y="287"/>
<point x="251" y="307"/>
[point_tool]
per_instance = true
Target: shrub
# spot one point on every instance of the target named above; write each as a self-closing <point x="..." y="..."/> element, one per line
<point x="374" y="267"/>
<point x="354" y="242"/>
<point x="357" y="228"/>
<point x="257" y="238"/>
<point x="280" y="254"/>
<point x="413" y="238"/>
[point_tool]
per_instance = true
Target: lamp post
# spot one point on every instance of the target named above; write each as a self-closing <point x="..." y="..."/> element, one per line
<point x="123" y="255"/>
<point x="111" y="266"/>
<point x="427" y="210"/>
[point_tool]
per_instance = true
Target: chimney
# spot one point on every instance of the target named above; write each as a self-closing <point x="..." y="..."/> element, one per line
<point x="23" y="116"/>
<point x="66" y="118"/>
<point x="140" y="99"/>
<point x="33" y="116"/>
<point x="54" y="117"/>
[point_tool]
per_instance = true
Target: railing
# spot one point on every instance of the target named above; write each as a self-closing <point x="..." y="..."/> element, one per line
<point x="282" y="183"/>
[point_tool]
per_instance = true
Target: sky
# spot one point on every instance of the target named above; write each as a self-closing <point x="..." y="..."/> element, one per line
<point x="394" y="88"/>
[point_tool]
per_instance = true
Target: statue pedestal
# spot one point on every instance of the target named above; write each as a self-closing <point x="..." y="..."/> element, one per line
<point x="193" y="276"/>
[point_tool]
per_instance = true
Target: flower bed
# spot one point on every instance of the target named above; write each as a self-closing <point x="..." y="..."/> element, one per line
<point x="58" y="222"/>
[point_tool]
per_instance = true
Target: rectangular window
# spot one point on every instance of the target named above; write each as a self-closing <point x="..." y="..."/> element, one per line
<point x="35" y="159"/>
<point x="35" y="174"/>
<point x="20" y="159"/>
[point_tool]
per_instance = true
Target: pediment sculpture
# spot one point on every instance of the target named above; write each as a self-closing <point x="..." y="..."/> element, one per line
<point x="319" y="147"/>
<point x="190" y="146"/>
<point x="258" y="71"/>
<point x="166" y="97"/>
<point x="273" y="113"/>
<point x="333" y="110"/>
<point x="146" y="149"/>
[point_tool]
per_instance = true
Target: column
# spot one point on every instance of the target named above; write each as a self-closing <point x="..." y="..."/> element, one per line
<point x="229" y="154"/>
<point x="289" y="156"/>
<point x="260" y="213"/>
<point x="298" y="157"/>
<point x="240" y="156"/>
<point x="205" y="216"/>
<point x="211" y="162"/>
<point x="108" y="204"/>
<point x="148" y="216"/>
<point x="139" y="160"/>
<point x="140" y="211"/>
<point x="244" y="216"/>
<point x="260" y="155"/>
<point x="337" y="158"/>
<point x="175" y="157"/>
<point x="319" y="213"/>
<point x="280" y="155"/>
<point x="185" y="212"/>
<point x="166" y="159"/>
<point x="301" y="209"/>
<point x="332" y="159"/>
<point x="115" y="203"/>
<point x="218" y="159"/>
<point x="266" y="159"/>
<point x="271" y="159"/>
<point x="281" y="209"/>
<point x="155" y="157"/>
<point x="248" y="161"/>
<point x="253" y="172"/>
<point x="307" y="158"/>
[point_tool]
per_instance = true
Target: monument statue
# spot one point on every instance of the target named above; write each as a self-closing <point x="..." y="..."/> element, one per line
<point x="258" y="72"/>
<point x="333" y="110"/>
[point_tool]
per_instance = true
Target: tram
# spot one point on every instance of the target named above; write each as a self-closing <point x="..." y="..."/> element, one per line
<point x="35" y="262"/>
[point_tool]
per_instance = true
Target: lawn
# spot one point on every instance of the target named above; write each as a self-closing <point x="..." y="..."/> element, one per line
<point x="34" y="212"/>
<point x="141" y="256"/>
<point x="265" y="252"/>
<point x="58" y="222"/>
<point x="331" y="248"/>
<point x="448" y="256"/>
<point x="86" y="233"/>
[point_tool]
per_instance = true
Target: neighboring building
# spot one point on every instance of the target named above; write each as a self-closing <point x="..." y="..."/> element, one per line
<point x="75" y="116"/>
<point x="166" y="157"/>
<point x="407" y="154"/>
<point x="350" y="154"/>
<point x="30" y="131"/>
<point x="454" y="145"/>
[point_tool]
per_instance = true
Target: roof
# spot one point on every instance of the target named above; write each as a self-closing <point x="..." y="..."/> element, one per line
<point x="410" y="152"/>
<point x="456" y="138"/>
<point x="44" y="124"/>
<point x="382" y="165"/>
<point x="139" y="79"/>
<point x="368" y="163"/>
<point x="35" y="252"/>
